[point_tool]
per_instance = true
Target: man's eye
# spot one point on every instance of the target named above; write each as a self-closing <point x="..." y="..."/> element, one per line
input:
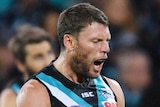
<point x="95" y="41"/>
<point x="39" y="58"/>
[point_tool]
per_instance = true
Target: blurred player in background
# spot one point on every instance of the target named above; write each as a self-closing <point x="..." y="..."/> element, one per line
<point x="32" y="50"/>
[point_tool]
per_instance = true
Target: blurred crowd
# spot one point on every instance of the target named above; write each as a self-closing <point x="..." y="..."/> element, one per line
<point x="135" y="48"/>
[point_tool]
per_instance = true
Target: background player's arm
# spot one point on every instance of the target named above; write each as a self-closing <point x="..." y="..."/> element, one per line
<point x="8" y="98"/>
<point x="118" y="92"/>
<point x="33" y="94"/>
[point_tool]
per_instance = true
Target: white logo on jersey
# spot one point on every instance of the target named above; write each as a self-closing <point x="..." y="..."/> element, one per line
<point x="87" y="94"/>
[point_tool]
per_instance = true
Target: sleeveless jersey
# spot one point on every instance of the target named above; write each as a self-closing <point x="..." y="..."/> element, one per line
<point x="16" y="85"/>
<point x="64" y="93"/>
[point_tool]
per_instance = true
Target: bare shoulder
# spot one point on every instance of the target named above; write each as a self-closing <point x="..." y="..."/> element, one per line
<point x="33" y="94"/>
<point x="117" y="90"/>
<point x="8" y="98"/>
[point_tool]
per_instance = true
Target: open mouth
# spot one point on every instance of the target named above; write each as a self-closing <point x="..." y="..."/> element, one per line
<point x="99" y="62"/>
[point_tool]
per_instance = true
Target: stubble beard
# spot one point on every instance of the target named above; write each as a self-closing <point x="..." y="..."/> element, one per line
<point x="80" y="64"/>
<point x="29" y="71"/>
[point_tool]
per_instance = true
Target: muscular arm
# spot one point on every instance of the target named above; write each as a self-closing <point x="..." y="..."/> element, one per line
<point x="118" y="92"/>
<point x="8" y="98"/>
<point x="33" y="94"/>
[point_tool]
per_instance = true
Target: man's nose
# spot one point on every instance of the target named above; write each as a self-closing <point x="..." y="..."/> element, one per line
<point x="105" y="47"/>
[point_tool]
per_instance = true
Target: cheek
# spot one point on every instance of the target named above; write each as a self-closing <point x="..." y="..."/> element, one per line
<point x="87" y="50"/>
<point x="35" y="65"/>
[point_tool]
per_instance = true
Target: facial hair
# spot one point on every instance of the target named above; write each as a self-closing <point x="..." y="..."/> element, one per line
<point x="29" y="71"/>
<point x="80" y="63"/>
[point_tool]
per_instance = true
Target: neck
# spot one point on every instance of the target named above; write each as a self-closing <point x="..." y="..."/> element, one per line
<point x="63" y="66"/>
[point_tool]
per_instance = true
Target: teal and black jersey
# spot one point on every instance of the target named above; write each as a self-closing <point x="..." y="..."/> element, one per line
<point x="64" y="93"/>
<point x="16" y="85"/>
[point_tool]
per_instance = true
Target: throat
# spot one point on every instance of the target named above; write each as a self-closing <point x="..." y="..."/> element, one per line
<point x="76" y="78"/>
<point x="69" y="73"/>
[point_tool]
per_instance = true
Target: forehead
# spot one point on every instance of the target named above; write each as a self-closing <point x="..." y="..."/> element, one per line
<point x="36" y="48"/>
<point x="95" y="30"/>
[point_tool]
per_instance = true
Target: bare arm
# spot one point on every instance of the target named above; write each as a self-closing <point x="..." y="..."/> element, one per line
<point x="33" y="94"/>
<point x="8" y="98"/>
<point x="118" y="92"/>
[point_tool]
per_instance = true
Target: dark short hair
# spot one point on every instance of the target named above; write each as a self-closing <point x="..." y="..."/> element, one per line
<point x="25" y="35"/>
<point x="77" y="17"/>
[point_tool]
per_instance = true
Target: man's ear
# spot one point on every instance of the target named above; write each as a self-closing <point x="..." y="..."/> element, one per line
<point x="21" y="66"/>
<point x="69" y="42"/>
